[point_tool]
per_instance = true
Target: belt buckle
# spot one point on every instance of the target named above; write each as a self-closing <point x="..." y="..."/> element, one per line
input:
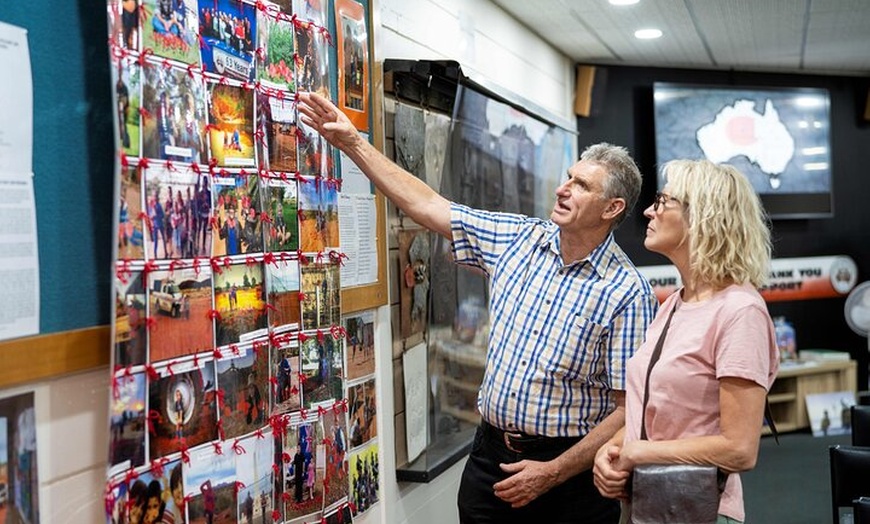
<point x="507" y="441"/>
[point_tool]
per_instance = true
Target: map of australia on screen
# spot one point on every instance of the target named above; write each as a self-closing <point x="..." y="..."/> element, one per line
<point x="739" y="129"/>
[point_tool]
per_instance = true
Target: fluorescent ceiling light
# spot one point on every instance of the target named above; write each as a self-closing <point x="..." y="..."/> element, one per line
<point x="647" y="34"/>
<point x="623" y="2"/>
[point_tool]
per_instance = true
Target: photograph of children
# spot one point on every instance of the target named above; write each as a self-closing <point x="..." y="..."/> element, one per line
<point x="318" y="225"/>
<point x="364" y="467"/>
<point x="353" y="70"/>
<point x="321" y="365"/>
<point x="236" y="216"/>
<point x="359" y="344"/>
<point x="130" y="236"/>
<point x="178" y="224"/>
<point x="182" y="408"/>
<point x="156" y="498"/>
<point x="124" y="23"/>
<point x="313" y="158"/>
<point x="281" y="206"/>
<point x="228" y="28"/>
<point x="276" y="119"/>
<point x="286" y="393"/>
<point x="170" y="28"/>
<point x="130" y="326"/>
<point x="275" y="68"/>
<point x="312" y="64"/>
<point x="244" y="380"/>
<point x="231" y="129"/>
<point x="127" y="424"/>
<point x="335" y="446"/>
<point x="254" y="471"/>
<point x="239" y="301"/>
<point x="282" y="284"/>
<point x="342" y="515"/>
<point x="179" y="302"/>
<point x="18" y="460"/>
<point x="126" y="75"/>
<point x="303" y="475"/>
<point x="321" y="308"/>
<point x="414" y="280"/>
<point x="175" y="113"/>
<point x="210" y="486"/>
<point x="361" y="411"/>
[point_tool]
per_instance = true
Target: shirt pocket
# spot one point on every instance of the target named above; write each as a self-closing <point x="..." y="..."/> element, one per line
<point x="578" y="354"/>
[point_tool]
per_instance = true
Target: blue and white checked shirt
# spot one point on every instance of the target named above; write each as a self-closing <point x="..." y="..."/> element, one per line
<point x="560" y="335"/>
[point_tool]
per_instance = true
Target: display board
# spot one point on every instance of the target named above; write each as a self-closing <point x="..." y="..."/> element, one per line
<point x="230" y="365"/>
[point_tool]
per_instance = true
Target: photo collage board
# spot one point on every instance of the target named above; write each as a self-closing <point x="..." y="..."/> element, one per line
<point x="230" y="354"/>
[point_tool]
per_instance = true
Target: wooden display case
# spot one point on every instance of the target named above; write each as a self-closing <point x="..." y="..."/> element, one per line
<point x="787" y="397"/>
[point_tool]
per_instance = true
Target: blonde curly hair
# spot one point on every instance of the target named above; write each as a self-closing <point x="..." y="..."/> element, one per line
<point x="729" y="231"/>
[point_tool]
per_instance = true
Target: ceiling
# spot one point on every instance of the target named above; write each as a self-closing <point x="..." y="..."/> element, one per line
<point x="789" y="36"/>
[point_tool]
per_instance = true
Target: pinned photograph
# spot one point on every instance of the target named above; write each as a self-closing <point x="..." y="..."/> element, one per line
<point x="321" y="307"/>
<point x="318" y="217"/>
<point x="353" y="60"/>
<point x="228" y="29"/>
<point x="131" y="328"/>
<point x="238" y="299"/>
<point x="281" y="206"/>
<point x="313" y="11"/>
<point x="341" y="515"/>
<point x="335" y="446"/>
<point x="321" y="367"/>
<point x="282" y="285"/>
<point x="131" y="239"/>
<point x="127" y="421"/>
<point x="276" y="125"/>
<point x="830" y="413"/>
<point x="275" y="48"/>
<point x="179" y="302"/>
<point x="182" y="406"/>
<point x="157" y="495"/>
<point x="312" y="64"/>
<point x="254" y="472"/>
<point x="124" y="18"/>
<point x="359" y="345"/>
<point x="244" y="380"/>
<point x="231" y="124"/>
<point x="174" y="115"/>
<point x="170" y="28"/>
<point x="414" y="280"/>
<point x="362" y="411"/>
<point x="210" y="486"/>
<point x="303" y="474"/>
<point x="128" y="88"/>
<point x="286" y="368"/>
<point x="364" y="474"/>
<point x="314" y="159"/>
<point x="177" y="223"/>
<point x="236" y="220"/>
<point x="18" y="459"/>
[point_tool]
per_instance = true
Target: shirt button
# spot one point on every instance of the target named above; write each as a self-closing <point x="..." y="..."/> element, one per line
<point x="535" y="332"/>
<point x="513" y="395"/>
<point x="525" y="362"/>
<point x="547" y="301"/>
<point x="510" y="424"/>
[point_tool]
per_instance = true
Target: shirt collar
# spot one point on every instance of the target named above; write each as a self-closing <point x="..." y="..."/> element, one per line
<point x="550" y="240"/>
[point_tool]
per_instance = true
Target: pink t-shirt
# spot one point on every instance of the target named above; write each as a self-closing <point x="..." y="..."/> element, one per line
<point x="728" y="335"/>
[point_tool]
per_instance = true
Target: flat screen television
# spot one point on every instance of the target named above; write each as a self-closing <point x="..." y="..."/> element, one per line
<point x="779" y="137"/>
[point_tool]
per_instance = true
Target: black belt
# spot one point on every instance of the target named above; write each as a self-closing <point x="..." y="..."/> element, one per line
<point x="522" y="443"/>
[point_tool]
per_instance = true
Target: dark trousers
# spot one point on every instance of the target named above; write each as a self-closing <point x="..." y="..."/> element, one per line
<point x="576" y="501"/>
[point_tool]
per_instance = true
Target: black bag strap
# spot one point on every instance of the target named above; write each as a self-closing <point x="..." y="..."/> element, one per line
<point x="657" y="352"/>
<point x="654" y="358"/>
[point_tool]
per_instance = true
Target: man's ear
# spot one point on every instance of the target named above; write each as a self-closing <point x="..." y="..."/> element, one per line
<point x="613" y="209"/>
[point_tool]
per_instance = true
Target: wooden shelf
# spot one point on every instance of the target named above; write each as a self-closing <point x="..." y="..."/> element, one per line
<point x="775" y="398"/>
<point x="793" y="383"/>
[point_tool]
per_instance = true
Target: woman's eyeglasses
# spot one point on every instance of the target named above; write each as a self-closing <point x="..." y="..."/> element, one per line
<point x="661" y="199"/>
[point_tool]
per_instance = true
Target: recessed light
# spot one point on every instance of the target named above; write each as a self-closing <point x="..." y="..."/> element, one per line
<point x="647" y="34"/>
<point x="623" y="2"/>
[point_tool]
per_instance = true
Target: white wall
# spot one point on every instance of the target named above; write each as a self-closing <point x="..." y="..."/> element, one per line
<point x="493" y="49"/>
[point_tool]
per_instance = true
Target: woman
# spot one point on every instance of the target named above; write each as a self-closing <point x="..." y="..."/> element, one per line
<point x="707" y="390"/>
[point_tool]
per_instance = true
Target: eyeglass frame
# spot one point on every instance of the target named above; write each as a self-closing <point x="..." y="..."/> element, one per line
<point x="663" y="198"/>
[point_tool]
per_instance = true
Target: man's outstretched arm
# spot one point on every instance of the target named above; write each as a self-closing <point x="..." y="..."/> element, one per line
<point x="410" y="194"/>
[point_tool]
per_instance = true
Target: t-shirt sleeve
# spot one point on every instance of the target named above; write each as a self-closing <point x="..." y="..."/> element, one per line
<point x="480" y="237"/>
<point x="747" y="346"/>
<point x="627" y="333"/>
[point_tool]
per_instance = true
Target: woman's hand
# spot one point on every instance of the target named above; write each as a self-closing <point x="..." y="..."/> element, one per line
<point x="607" y="474"/>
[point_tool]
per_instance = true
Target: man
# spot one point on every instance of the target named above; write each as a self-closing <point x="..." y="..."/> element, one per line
<point x="567" y="310"/>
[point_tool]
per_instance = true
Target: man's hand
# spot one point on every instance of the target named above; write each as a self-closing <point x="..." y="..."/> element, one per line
<point x="321" y="114"/>
<point x="530" y="480"/>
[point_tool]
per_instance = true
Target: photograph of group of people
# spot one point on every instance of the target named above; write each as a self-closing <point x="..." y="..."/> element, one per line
<point x="228" y="386"/>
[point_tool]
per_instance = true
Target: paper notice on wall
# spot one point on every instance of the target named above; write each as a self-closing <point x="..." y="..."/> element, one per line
<point x="19" y="260"/>
<point x="16" y="101"/>
<point x="357" y="219"/>
<point x="416" y="400"/>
